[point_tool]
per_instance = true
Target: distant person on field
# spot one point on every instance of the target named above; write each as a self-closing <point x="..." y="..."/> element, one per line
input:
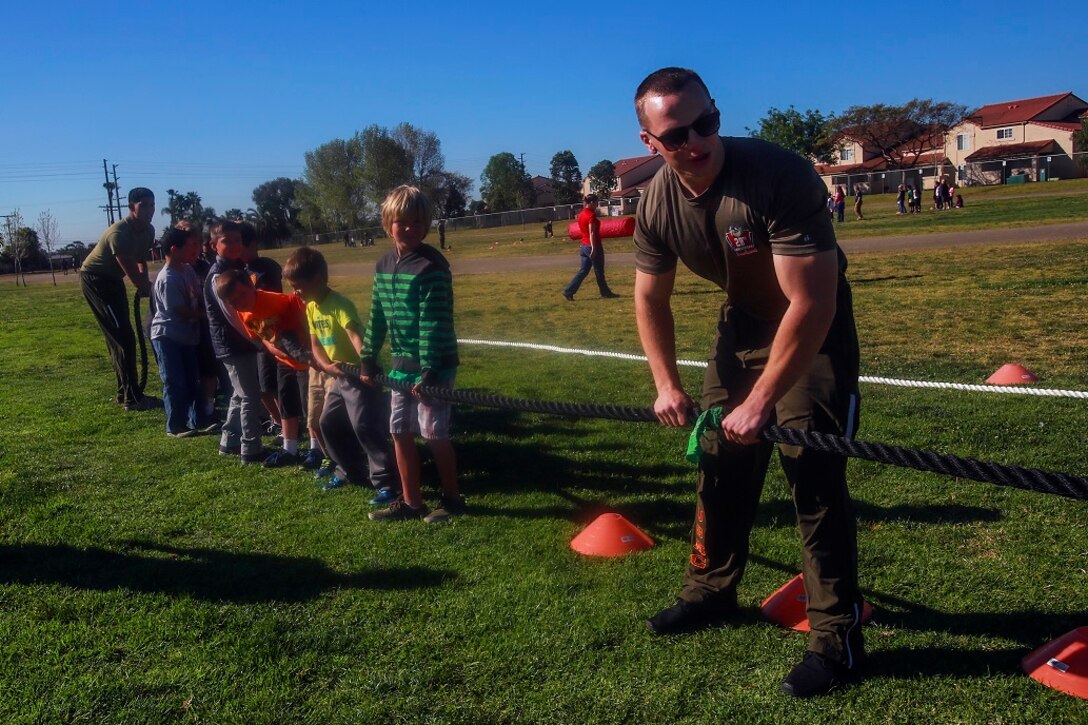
<point x="237" y="352"/>
<point x="840" y="203"/>
<point x="278" y="322"/>
<point x="442" y="233"/>
<point x="122" y="252"/>
<point x="548" y="229"/>
<point x="412" y="305"/>
<point x="901" y="200"/>
<point x="175" y="333"/>
<point x="354" y="418"/>
<point x="266" y="275"/>
<point x="918" y="199"/>
<point x="591" y="252"/>
<point x="858" y="193"/>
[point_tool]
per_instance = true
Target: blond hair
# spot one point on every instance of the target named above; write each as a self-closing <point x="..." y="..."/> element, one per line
<point x="406" y="203"/>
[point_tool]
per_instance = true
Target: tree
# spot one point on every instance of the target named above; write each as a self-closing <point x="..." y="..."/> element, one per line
<point x="566" y="178"/>
<point x="385" y="163"/>
<point x="48" y="234"/>
<point x="277" y="208"/>
<point x="334" y="191"/>
<point x="451" y="198"/>
<point x="504" y="184"/>
<point x="12" y="248"/>
<point x="810" y="134"/>
<point x="423" y="152"/>
<point x="234" y="215"/>
<point x="183" y="206"/>
<point x="602" y="178"/>
<point x="1080" y="145"/>
<point x="900" y="134"/>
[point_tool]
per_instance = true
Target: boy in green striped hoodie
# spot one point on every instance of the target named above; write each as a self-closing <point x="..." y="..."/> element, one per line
<point x="412" y="304"/>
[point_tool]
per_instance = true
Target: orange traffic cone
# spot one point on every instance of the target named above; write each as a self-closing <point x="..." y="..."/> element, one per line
<point x="1062" y="664"/>
<point x="787" y="606"/>
<point x="1012" y="374"/>
<point x="610" y="535"/>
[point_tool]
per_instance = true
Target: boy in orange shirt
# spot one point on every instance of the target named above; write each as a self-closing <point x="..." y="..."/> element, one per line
<point x="278" y="321"/>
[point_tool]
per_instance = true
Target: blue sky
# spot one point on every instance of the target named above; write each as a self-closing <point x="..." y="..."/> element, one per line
<point x="219" y="97"/>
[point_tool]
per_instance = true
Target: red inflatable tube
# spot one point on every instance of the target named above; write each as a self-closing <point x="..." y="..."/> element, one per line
<point x="615" y="227"/>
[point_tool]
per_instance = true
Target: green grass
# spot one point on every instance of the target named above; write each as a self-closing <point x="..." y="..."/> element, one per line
<point x="144" y="579"/>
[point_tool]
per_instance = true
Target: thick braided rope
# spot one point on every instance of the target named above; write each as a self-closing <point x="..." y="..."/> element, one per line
<point x="1030" y="479"/>
<point x="143" y="343"/>
<point x="871" y="379"/>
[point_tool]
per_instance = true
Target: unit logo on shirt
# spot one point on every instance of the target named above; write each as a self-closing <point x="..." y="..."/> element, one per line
<point x="740" y="241"/>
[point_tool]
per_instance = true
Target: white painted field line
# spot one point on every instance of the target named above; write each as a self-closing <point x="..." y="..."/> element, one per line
<point x="1000" y="389"/>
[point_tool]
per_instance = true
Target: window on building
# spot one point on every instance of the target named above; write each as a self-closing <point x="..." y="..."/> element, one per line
<point x="1004" y="133"/>
<point x="963" y="142"/>
<point x="848" y="154"/>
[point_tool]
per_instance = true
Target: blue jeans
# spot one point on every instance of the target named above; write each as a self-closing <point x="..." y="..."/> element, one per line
<point x="180" y="384"/>
<point x="597" y="262"/>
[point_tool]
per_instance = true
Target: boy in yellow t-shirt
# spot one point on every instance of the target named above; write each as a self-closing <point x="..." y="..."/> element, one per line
<point x="355" y="417"/>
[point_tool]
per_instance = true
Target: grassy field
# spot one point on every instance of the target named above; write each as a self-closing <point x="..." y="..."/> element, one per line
<point x="145" y="579"/>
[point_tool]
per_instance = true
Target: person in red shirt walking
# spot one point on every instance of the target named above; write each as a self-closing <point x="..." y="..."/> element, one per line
<point x="592" y="251"/>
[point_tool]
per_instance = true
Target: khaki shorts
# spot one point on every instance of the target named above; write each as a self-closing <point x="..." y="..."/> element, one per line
<point x="320" y="383"/>
<point x="430" y="420"/>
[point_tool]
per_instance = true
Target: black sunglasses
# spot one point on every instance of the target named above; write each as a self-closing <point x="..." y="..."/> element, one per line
<point x="676" y="138"/>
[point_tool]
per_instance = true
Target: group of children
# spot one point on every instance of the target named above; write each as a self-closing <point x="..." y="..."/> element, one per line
<point x="238" y="331"/>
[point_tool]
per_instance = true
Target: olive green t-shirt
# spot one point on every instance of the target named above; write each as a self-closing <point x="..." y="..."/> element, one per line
<point x="765" y="201"/>
<point x="123" y="238"/>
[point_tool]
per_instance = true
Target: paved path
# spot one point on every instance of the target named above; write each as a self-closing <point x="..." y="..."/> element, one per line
<point x="1075" y="230"/>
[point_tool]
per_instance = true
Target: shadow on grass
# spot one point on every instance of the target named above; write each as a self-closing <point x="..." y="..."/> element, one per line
<point x="889" y="278"/>
<point x="779" y="513"/>
<point x="586" y="471"/>
<point x="206" y="574"/>
<point x="1030" y="628"/>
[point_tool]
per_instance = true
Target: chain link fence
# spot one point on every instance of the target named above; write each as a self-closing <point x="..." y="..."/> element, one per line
<point x="1039" y="167"/>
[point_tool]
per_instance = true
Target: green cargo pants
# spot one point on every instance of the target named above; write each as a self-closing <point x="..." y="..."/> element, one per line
<point x="731" y="477"/>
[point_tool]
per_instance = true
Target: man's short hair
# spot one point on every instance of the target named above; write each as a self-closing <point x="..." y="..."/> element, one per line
<point x="407" y="202"/>
<point x="230" y="279"/>
<point x="138" y="194"/>
<point x="666" y="82"/>
<point x="249" y="233"/>
<point x="304" y="264"/>
<point x="174" y="239"/>
<point x="591" y="199"/>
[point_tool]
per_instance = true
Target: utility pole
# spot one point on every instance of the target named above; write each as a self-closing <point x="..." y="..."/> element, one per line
<point x="109" y="193"/>
<point x="117" y="193"/>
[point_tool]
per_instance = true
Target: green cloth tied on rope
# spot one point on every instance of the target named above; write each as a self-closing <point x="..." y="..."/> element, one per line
<point x="706" y="430"/>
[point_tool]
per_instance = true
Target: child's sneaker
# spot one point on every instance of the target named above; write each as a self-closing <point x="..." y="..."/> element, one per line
<point x="384" y="497"/>
<point x="334" y="483"/>
<point x="312" y="459"/>
<point x="211" y="428"/>
<point x="399" y="511"/>
<point x="327" y="468"/>
<point x="281" y="458"/>
<point x="230" y="450"/>
<point x="447" y="509"/>
<point x="255" y="457"/>
<point x="187" y="433"/>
